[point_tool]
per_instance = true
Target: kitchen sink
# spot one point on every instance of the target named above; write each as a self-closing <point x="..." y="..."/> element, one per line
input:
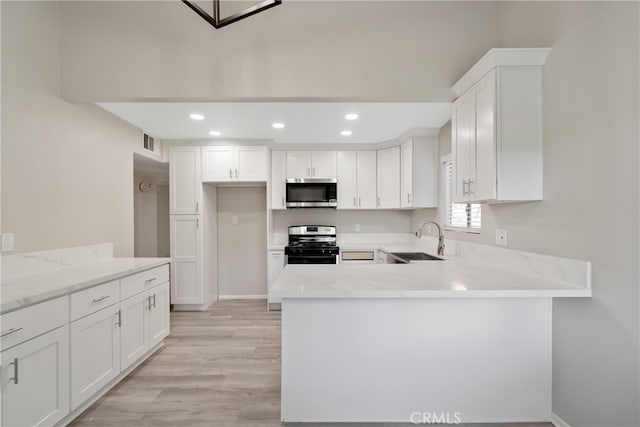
<point x="414" y="256"/>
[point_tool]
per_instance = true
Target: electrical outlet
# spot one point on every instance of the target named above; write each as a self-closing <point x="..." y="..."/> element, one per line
<point x="501" y="237"/>
<point x="357" y="227"/>
<point x="8" y="240"/>
<point x="234" y="219"/>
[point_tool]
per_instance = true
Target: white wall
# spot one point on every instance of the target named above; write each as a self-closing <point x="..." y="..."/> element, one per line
<point x="590" y="209"/>
<point x="164" y="247"/>
<point x="145" y="207"/>
<point x="370" y="221"/>
<point x="66" y="169"/>
<point x="242" y="257"/>
<point x="395" y="50"/>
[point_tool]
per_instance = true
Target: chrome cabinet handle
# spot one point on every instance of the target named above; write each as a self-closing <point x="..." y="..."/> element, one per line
<point x="237" y="174"/>
<point x="354" y="201"/>
<point x="154" y="300"/>
<point x="378" y="200"/>
<point x="100" y="299"/>
<point x="308" y="171"/>
<point x="15" y="371"/>
<point x="119" y="318"/>
<point x="10" y="331"/>
<point x="148" y="301"/>
<point x="197" y="206"/>
<point x="283" y="201"/>
<point x="313" y="170"/>
<point x="360" y="201"/>
<point x="150" y="280"/>
<point x="230" y="173"/>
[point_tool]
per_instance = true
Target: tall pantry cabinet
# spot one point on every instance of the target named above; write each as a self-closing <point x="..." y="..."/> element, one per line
<point x="186" y="228"/>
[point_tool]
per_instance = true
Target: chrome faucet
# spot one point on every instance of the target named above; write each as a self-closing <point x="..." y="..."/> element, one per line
<point x="440" y="235"/>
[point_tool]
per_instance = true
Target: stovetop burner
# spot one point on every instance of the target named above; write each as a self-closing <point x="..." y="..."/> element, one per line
<point x="312" y="244"/>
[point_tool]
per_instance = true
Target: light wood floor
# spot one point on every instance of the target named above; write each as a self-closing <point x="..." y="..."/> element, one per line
<point x="218" y="368"/>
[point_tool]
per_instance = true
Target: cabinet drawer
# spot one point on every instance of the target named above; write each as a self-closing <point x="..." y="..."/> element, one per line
<point x="93" y="299"/>
<point x="140" y="282"/>
<point x="26" y="323"/>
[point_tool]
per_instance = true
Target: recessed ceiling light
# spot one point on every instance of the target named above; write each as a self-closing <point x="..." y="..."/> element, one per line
<point x="346" y="133"/>
<point x="351" y="116"/>
<point x="278" y="125"/>
<point x="215" y="133"/>
<point x="196" y="116"/>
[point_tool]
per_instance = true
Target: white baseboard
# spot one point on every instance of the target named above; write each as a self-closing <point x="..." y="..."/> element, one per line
<point x="226" y="297"/>
<point x="557" y="421"/>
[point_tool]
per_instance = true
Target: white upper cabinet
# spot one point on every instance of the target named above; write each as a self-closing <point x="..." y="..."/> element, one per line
<point x="311" y="164"/>
<point x="237" y="163"/>
<point x="185" y="188"/>
<point x="419" y="172"/>
<point x="496" y="128"/>
<point x="356" y="179"/>
<point x="388" y="178"/>
<point x="278" y="180"/>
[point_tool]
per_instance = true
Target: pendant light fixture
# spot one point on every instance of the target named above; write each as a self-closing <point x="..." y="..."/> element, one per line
<point x="216" y="19"/>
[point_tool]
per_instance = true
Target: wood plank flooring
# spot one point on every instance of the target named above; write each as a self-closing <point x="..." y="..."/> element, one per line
<point x="218" y="368"/>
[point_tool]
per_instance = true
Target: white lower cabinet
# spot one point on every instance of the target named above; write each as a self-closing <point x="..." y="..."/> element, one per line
<point x="35" y="380"/>
<point x="132" y="333"/>
<point x="145" y="323"/>
<point x="95" y="353"/>
<point x="186" y="254"/>
<point x="158" y="315"/>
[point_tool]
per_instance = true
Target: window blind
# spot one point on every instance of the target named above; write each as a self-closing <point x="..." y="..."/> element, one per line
<point x="462" y="215"/>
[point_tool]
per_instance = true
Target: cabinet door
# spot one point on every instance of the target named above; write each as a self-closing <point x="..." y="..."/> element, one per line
<point x="35" y="380"/>
<point x="251" y="164"/>
<point x="347" y="180"/>
<point x="323" y="164"/>
<point x="298" y="164"/>
<point x="133" y="330"/>
<point x="95" y="353"/>
<point x="158" y="314"/>
<point x="278" y="179"/>
<point x="463" y="146"/>
<point x="406" y="168"/>
<point x="485" y="143"/>
<point x="366" y="170"/>
<point x="389" y="178"/>
<point x="184" y="180"/>
<point x="218" y="164"/>
<point x="186" y="275"/>
<point x="275" y="265"/>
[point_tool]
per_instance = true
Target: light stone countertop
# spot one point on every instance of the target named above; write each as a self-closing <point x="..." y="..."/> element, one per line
<point x="27" y="290"/>
<point x="426" y="279"/>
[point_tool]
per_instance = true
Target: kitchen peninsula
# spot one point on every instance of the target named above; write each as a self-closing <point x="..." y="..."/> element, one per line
<point x="391" y="342"/>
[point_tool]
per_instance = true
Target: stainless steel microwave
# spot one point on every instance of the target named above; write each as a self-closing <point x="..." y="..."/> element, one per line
<point x="312" y="193"/>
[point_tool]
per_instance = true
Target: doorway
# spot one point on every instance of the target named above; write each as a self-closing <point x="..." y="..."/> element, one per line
<point x="150" y="207"/>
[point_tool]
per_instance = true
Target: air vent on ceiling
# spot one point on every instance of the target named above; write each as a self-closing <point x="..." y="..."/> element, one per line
<point x="149" y="143"/>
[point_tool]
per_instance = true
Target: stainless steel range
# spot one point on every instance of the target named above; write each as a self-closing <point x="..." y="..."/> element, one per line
<point x="312" y="244"/>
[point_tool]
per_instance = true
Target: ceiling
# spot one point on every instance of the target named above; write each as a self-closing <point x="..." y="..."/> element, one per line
<point x="305" y="122"/>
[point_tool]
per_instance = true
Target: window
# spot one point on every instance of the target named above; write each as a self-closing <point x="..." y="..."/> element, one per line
<point x="458" y="216"/>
